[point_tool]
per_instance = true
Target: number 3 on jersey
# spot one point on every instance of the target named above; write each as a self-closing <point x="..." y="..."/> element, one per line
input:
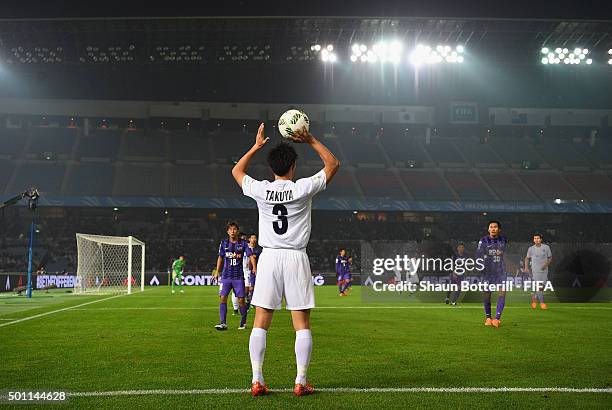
<point x="280" y="226"/>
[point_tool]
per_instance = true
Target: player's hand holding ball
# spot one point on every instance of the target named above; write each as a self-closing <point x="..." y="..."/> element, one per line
<point x="301" y="136"/>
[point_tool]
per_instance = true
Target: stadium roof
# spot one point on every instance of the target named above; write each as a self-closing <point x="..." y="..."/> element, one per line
<point x="503" y="39"/>
<point x="560" y="9"/>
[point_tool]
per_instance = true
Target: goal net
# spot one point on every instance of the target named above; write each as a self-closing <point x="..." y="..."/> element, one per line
<point x="109" y="264"/>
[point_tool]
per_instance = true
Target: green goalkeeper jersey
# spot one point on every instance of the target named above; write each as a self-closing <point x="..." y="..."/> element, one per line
<point x="178" y="265"/>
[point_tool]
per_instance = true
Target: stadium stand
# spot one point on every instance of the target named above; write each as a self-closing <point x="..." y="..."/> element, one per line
<point x="444" y="153"/>
<point x="12" y="142"/>
<point x="103" y="144"/>
<point x="6" y="171"/>
<point x="403" y="149"/>
<point x="139" y="180"/>
<point x="507" y="186"/>
<point x="81" y="175"/>
<point x="394" y="162"/>
<point x="380" y="183"/>
<point x="361" y="150"/>
<point x="189" y="148"/>
<point x="144" y="147"/>
<point x="562" y="154"/>
<point x="514" y="151"/>
<point x="46" y="176"/>
<point x="427" y="185"/>
<point x="191" y="181"/>
<point x="599" y="154"/>
<point x="549" y="186"/>
<point x="479" y="154"/>
<point x="51" y="141"/>
<point x="596" y="187"/>
<point x="469" y="186"/>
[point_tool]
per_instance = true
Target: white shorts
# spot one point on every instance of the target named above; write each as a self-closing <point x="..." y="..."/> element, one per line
<point x="247" y="279"/>
<point x="283" y="273"/>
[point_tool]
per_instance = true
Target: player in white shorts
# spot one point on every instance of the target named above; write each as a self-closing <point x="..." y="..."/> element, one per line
<point x="283" y="269"/>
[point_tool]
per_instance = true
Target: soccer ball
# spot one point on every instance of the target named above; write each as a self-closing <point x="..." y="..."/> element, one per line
<point x="292" y="121"/>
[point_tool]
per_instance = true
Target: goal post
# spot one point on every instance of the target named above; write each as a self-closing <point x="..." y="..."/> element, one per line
<point x="109" y="264"/>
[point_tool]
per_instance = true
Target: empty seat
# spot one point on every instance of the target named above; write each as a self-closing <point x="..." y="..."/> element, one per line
<point x="426" y="185"/>
<point x="47" y="177"/>
<point x="595" y="187"/>
<point x="191" y="181"/>
<point x="468" y="186"/>
<point x="90" y="179"/>
<point x="139" y="180"/>
<point x="507" y="187"/>
<point x="550" y="186"/>
<point x="380" y="183"/>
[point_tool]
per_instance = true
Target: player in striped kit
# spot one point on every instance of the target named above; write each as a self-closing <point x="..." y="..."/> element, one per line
<point x="343" y="271"/>
<point x="491" y="249"/>
<point x="252" y="253"/>
<point x="229" y="263"/>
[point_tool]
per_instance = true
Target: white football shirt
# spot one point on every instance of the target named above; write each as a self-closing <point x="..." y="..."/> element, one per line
<point x="284" y="209"/>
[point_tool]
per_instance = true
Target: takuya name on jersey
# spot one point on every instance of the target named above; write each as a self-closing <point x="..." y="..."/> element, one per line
<point x="279" y="196"/>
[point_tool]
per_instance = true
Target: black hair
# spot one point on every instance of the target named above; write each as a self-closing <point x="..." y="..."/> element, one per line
<point x="494" y="222"/>
<point x="281" y="158"/>
<point x="241" y="234"/>
<point x="231" y="223"/>
<point x="341" y="249"/>
<point x="460" y="244"/>
<point x="252" y="234"/>
<point x="538" y="234"/>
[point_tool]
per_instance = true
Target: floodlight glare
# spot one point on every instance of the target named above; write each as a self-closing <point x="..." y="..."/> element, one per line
<point x="545" y="50"/>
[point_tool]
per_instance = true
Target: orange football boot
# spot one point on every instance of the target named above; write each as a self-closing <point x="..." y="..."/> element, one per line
<point x="495" y="322"/>
<point x="303" y="390"/>
<point x="488" y="322"/>
<point x="259" y="389"/>
<point x="543" y="306"/>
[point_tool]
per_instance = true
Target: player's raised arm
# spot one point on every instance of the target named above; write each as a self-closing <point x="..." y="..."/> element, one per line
<point x="239" y="170"/>
<point x="330" y="162"/>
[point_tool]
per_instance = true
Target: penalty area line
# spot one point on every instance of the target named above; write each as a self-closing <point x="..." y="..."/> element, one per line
<point x="162" y="392"/>
<point x="59" y="310"/>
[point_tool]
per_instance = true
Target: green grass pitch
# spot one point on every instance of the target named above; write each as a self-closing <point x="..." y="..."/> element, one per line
<point x="158" y="341"/>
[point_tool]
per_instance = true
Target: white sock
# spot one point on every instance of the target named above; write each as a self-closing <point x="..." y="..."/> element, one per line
<point x="303" y="349"/>
<point x="257" y="349"/>
<point x="234" y="301"/>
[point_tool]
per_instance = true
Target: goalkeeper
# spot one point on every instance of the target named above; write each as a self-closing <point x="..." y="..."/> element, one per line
<point x="177" y="272"/>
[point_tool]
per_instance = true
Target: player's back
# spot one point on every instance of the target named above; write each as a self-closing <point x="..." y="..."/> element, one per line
<point x="284" y="209"/>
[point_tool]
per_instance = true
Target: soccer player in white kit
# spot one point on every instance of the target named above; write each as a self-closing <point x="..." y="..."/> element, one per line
<point x="283" y="269"/>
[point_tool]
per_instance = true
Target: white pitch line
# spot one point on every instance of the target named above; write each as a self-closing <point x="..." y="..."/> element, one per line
<point x="347" y="307"/>
<point x="58" y="310"/>
<point x="163" y="392"/>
